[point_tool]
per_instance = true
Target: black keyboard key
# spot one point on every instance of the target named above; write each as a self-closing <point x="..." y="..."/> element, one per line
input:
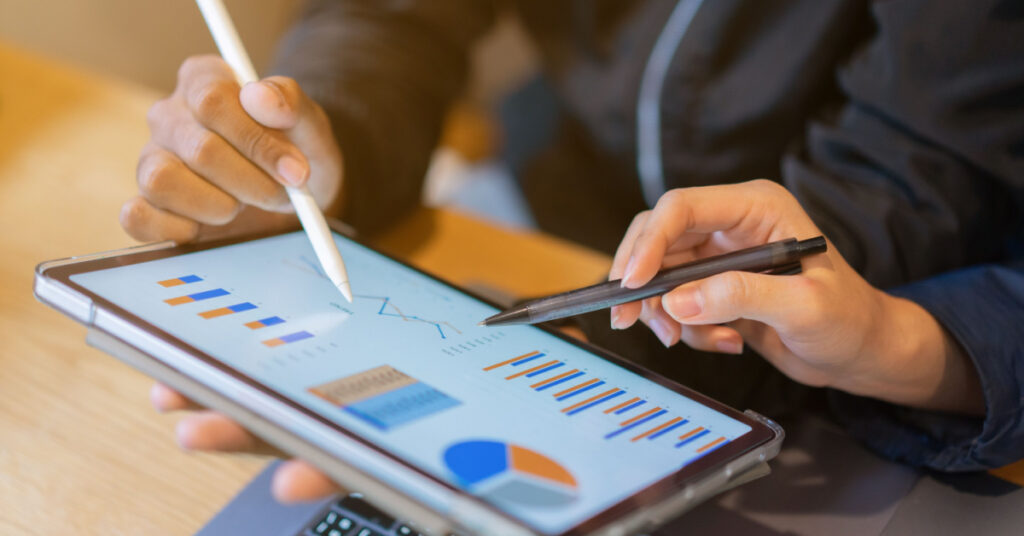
<point x="366" y="531"/>
<point x="321" y="528"/>
<point x="405" y="530"/>
<point x="367" y="511"/>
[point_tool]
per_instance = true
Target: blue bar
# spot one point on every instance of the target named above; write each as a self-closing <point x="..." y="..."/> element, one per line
<point x="563" y="380"/>
<point x="298" y="336"/>
<point x="637" y="423"/>
<point x="190" y="279"/>
<point x="271" y="321"/>
<point x="585" y="389"/>
<point x="239" y="307"/>
<point x="543" y="370"/>
<point x="527" y="359"/>
<point x="596" y="402"/>
<point x="205" y="295"/>
<point x="692" y="438"/>
<point x="667" y="430"/>
<point x="631" y="406"/>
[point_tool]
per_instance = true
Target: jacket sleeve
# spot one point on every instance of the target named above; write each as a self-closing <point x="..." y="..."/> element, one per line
<point x="918" y="178"/>
<point x="385" y="72"/>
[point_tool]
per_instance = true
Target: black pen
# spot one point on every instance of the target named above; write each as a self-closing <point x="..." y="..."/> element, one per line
<point x="780" y="257"/>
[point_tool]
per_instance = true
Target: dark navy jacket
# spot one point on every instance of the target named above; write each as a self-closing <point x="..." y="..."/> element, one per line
<point x="898" y="124"/>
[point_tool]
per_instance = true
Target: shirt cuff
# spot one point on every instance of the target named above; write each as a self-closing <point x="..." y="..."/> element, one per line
<point x="983" y="309"/>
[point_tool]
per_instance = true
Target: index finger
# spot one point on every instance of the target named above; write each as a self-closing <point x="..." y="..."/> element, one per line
<point x="750" y="208"/>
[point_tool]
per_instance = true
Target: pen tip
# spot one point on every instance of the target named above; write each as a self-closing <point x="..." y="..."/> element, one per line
<point x="345" y="290"/>
<point x="482" y="323"/>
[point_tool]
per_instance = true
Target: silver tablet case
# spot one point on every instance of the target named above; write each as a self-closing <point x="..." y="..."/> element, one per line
<point x="350" y="463"/>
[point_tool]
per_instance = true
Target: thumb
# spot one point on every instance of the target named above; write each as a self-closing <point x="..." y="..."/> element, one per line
<point x="776" y="300"/>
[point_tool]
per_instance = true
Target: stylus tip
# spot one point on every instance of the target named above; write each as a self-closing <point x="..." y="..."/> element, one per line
<point x="345" y="290"/>
<point x="482" y="323"/>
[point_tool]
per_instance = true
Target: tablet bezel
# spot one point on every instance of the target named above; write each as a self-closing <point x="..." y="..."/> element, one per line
<point x="759" y="435"/>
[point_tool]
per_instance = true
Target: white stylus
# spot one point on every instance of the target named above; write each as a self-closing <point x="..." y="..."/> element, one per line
<point x="230" y="45"/>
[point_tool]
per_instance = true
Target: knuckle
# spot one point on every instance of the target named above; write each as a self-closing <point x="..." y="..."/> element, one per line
<point x="202" y="149"/>
<point x="672" y="198"/>
<point x="132" y="215"/>
<point x="735" y="289"/>
<point x="156" y="176"/>
<point x="770" y="188"/>
<point x="157" y="114"/>
<point x="261" y="145"/>
<point x="212" y="100"/>
<point x="225" y="212"/>
<point x="193" y="65"/>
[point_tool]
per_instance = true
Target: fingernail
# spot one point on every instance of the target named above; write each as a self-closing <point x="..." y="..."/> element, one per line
<point x="729" y="346"/>
<point x="663" y="332"/>
<point x="292" y="170"/>
<point x="685" y="303"/>
<point x="615" y="319"/>
<point x="628" y="273"/>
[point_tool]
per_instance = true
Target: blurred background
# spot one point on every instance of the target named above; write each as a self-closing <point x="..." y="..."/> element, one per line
<point x="144" y="41"/>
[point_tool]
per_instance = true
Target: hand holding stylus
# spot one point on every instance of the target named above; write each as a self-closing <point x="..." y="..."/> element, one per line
<point x="824" y="327"/>
<point x="220" y="155"/>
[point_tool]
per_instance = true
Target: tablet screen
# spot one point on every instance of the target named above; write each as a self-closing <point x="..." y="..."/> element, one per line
<point x="542" y="429"/>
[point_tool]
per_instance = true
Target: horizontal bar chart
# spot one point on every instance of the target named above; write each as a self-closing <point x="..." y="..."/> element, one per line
<point x="183" y="280"/>
<point x="198" y="296"/>
<point x="580" y="393"/>
<point x="229" y="310"/>
<point x="265" y="322"/>
<point x="287" y="339"/>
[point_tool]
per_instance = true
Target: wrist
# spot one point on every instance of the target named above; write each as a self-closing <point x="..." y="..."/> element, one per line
<point x="908" y="358"/>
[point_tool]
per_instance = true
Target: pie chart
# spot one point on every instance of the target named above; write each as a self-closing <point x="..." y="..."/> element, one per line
<point x="510" y="473"/>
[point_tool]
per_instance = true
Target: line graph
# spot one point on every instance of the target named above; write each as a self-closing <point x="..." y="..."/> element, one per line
<point x="308" y="265"/>
<point x="386" y="301"/>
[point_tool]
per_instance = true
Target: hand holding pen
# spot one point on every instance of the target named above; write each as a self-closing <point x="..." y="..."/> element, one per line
<point x="826" y="326"/>
<point x="220" y="156"/>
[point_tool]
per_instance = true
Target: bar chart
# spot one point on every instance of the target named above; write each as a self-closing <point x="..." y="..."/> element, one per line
<point x="577" y="393"/>
<point x="230" y="309"/>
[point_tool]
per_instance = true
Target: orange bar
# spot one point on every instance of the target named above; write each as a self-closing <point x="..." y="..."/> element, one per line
<point x="571" y="389"/>
<point x="711" y="444"/>
<point x="641" y="416"/>
<point x="657" y="428"/>
<point x="556" y="378"/>
<point x="696" y="430"/>
<point x="622" y="405"/>
<point x="214" y="313"/>
<point x="273" y="342"/>
<point x="591" y="399"/>
<point x="534" y="369"/>
<point x="179" y="300"/>
<point x="514" y="359"/>
<point x="167" y="283"/>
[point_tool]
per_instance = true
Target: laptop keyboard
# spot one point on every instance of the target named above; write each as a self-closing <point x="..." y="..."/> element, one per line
<point x="353" y="516"/>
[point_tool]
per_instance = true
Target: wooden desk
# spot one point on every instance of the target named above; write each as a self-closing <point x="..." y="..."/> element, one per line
<point x="80" y="450"/>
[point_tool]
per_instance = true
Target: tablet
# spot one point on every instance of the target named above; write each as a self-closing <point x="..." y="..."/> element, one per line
<point x="508" y="430"/>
